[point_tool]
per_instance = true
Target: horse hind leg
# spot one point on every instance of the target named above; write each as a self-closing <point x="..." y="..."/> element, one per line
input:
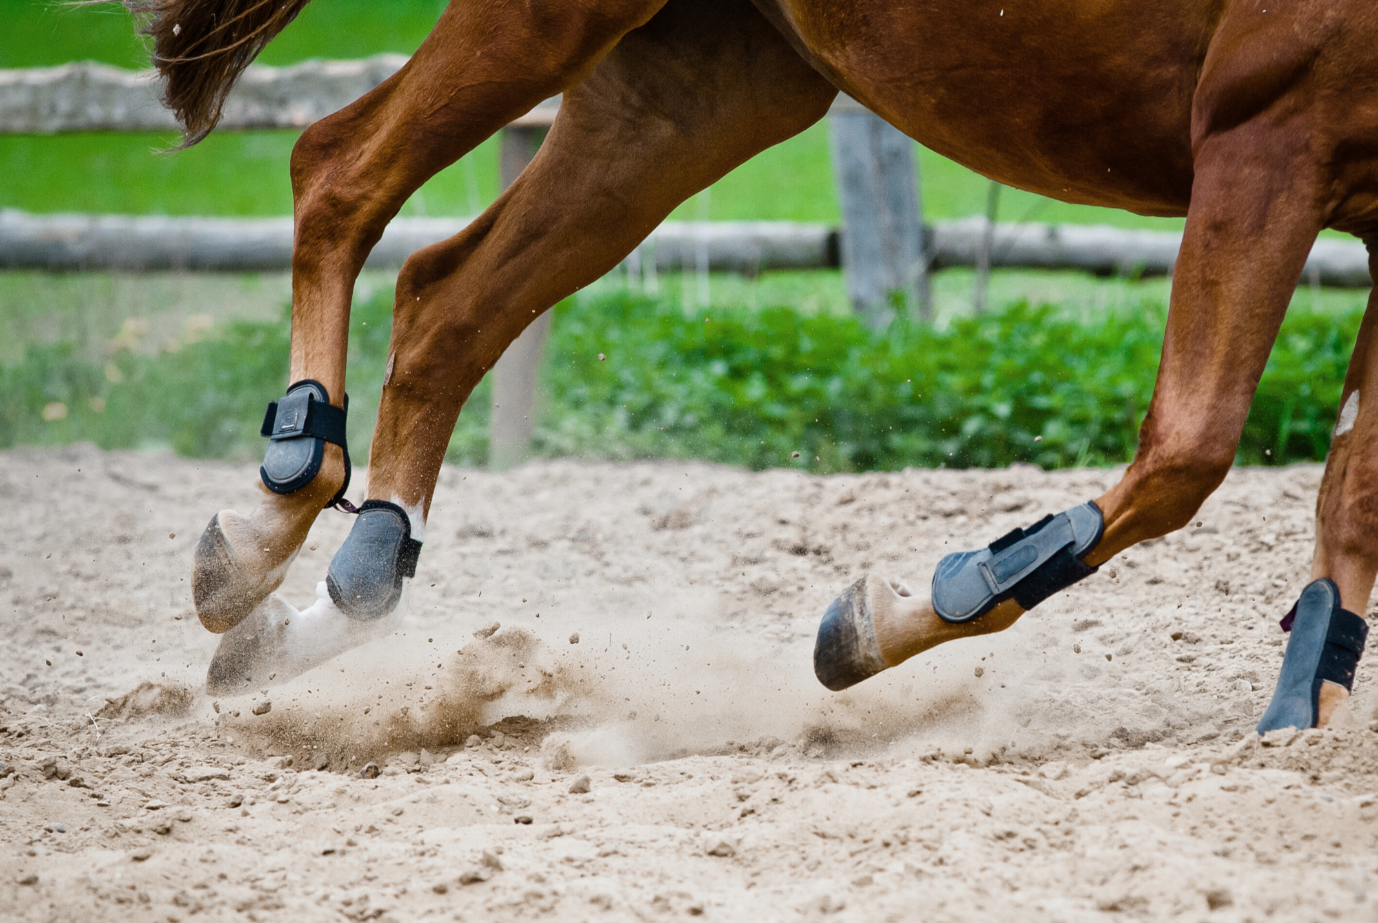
<point x="351" y="173"/>
<point x="614" y="165"/>
<point x="1254" y="215"/>
<point x="1328" y="631"/>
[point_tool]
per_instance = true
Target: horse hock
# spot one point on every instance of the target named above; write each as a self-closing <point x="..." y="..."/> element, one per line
<point x="240" y="560"/>
<point x="877" y="624"/>
<point x="1322" y="655"/>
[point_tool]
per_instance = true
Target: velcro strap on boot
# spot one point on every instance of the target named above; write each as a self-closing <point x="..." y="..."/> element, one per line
<point x="299" y="414"/>
<point x="1026" y="565"/>
<point x="1345" y="640"/>
<point x="1344" y="646"/>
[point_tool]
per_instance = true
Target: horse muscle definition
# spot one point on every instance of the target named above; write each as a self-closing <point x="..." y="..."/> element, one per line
<point x="1254" y="120"/>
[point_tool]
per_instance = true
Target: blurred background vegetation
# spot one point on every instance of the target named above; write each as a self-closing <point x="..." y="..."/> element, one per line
<point x="1058" y="374"/>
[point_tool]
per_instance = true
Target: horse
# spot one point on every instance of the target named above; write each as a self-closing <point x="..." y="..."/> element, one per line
<point x="1257" y="120"/>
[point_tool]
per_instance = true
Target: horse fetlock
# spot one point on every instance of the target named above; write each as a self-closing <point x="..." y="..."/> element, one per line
<point x="299" y="427"/>
<point x="1322" y="656"/>
<point x="234" y="568"/>
<point x="367" y="573"/>
<point x="877" y="624"/>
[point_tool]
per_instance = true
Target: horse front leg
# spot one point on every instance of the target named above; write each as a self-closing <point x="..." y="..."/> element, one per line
<point x="1255" y="212"/>
<point x="482" y="66"/>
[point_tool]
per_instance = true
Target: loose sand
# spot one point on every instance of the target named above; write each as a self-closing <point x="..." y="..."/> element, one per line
<point x="1095" y="761"/>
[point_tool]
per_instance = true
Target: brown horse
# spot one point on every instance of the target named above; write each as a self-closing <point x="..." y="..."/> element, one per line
<point x="1256" y="119"/>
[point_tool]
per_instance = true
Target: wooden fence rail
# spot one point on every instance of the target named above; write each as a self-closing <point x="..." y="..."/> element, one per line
<point x="69" y="243"/>
<point x="87" y="97"/>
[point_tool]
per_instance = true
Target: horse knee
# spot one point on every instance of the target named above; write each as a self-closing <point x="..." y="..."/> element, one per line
<point x="442" y="314"/>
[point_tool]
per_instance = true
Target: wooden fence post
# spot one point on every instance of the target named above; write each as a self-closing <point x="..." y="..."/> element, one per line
<point x="981" y="283"/>
<point x="883" y="247"/>
<point x="514" y="376"/>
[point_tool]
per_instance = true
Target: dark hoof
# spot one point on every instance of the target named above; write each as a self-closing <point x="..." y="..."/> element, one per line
<point x="366" y="574"/>
<point x="846" y="652"/>
<point x="1326" y="644"/>
<point x="218" y="588"/>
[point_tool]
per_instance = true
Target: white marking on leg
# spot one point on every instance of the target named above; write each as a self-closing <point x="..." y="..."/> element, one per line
<point x="1348" y="414"/>
<point x="387" y="375"/>
<point x="415" y="515"/>
<point x="278" y="640"/>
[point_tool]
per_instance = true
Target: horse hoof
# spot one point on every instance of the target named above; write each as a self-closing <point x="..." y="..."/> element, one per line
<point x="846" y="651"/>
<point x="277" y="643"/>
<point x="366" y="575"/>
<point x="220" y="588"/>
<point x="247" y="650"/>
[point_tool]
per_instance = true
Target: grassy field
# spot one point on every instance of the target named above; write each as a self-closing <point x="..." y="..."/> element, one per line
<point x="246" y="174"/>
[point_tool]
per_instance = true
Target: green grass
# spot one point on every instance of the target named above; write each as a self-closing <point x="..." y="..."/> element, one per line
<point x="735" y="383"/>
<point x="41" y="33"/>
<point x="246" y="174"/>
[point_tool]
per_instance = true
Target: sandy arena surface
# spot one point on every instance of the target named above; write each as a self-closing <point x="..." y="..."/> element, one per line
<point x="1096" y="761"/>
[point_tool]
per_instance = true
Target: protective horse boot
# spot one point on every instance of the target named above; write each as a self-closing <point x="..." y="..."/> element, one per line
<point x="366" y="574"/>
<point x="297" y="428"/>
<point x="1027" y="565"/>
<point x="877" y="624"/>
<point x="1326" y="644"/>
<point x="224" y="587"/>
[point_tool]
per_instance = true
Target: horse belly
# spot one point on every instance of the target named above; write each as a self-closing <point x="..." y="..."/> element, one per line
<point x="1083" y="100"/>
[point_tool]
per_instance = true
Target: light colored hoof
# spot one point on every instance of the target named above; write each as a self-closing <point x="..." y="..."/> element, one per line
<point x="877" y="624"/>
<point x="277" y="643"/>
<point x="221" y="586"/>
<point x="1333" y="707"/>
<point x="847" y="650"/>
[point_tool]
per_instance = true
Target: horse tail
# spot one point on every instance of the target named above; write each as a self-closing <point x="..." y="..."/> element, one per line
<point x="200" y="47"/>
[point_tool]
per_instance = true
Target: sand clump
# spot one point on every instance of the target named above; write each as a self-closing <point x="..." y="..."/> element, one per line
<point x="1094" y="761"/>
<point x="173" y="700"/>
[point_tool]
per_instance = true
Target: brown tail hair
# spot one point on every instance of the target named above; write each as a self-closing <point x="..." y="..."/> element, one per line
<point x="202" y="46"/>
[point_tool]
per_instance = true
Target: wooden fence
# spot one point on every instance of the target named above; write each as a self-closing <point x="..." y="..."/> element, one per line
<point x="72" y="243"/>
<point x="883" y="245"/>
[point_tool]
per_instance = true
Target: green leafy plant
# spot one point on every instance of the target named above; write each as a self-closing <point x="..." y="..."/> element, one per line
<point x="757" y="388"/>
